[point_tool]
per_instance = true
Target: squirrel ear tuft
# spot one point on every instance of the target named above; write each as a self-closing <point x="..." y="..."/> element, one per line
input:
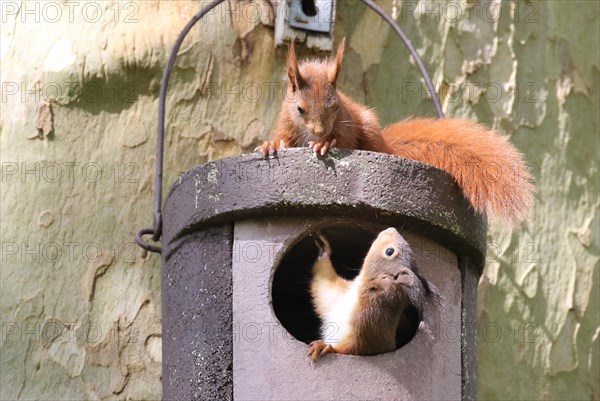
<point x="293" y="70"/>
<point x="334" y="69"/>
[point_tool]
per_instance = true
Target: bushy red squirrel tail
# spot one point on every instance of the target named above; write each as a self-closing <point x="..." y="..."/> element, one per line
<point x="491" y="172"/>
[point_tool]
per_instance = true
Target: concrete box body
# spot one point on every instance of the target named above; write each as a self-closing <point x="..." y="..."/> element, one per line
<point x="269" y="363"/>
<point x="228" y="227"/>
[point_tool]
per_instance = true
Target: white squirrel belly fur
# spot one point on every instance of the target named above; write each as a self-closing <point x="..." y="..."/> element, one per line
<point x="336" y="321"/>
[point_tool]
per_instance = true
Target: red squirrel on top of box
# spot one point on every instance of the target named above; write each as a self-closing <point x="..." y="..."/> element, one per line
<point x="490" y="171"/>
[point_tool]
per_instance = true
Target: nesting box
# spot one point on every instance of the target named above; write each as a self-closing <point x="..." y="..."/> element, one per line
<point x="237" y="256"/>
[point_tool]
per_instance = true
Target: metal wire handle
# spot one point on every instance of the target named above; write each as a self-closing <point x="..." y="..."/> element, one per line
<point x="156" y="230"/>
<point x="413" y="52"/>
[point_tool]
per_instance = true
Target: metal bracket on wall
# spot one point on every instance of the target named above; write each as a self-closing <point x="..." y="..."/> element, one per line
<point x="312" y="15"/>
<point x="308" y="21"/>
<point x="156" y="229"/>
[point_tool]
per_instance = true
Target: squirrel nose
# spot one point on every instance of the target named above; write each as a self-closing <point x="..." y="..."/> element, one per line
<point x="318" y="130"/>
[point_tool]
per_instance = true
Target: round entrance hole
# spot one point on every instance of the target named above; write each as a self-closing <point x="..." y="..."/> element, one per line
<point x="291" y="298"/>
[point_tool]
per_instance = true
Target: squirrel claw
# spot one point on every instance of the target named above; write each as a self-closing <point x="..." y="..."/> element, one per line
<point x="318" y="348"/>
<point x="323" y="146"/>
<point x="323" y="244"/>
<point x="267" y="148"/>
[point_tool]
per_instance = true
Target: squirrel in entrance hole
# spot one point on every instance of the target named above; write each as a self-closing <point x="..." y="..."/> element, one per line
<point x="362" y="316"/>
<point x="491" y="172"/>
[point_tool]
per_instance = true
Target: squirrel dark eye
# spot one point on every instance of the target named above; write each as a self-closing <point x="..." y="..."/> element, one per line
<point x="300" y="110"/>
<point x="390" y="251"/>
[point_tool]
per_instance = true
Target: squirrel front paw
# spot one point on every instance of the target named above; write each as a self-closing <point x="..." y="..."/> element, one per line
<point x="270" y="147"/>
<point x="323" y="244"/>
<point x="322" y="145"/>
<point x="318" y="348"/>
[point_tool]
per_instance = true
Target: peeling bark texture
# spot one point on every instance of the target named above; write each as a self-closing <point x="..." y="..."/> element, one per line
<point x="80" y="303"/>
